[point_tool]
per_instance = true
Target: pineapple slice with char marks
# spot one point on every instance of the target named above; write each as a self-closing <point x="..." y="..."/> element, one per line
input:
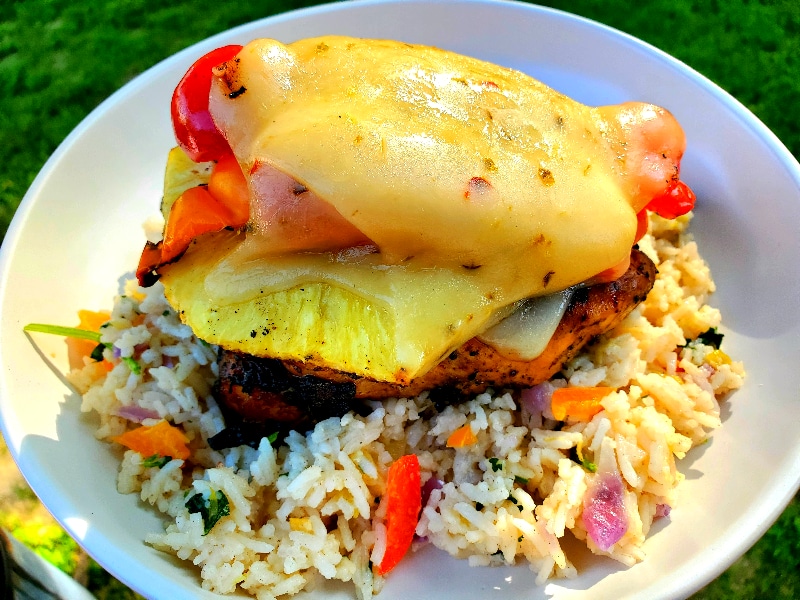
<point x="312" y="321"/>
<point x="346" y="312"/>
<point x="388" y="324"/>
<point x="182" y="173"/>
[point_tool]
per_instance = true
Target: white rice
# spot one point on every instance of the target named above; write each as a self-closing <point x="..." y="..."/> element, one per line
<point x="312" y="507"/>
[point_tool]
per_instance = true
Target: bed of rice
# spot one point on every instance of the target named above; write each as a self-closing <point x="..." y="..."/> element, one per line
<point x="312" y="507"/>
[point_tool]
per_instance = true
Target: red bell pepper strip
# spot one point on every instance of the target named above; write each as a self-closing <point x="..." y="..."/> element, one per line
<point x="403" y="499"/>
<point x="194" y="128"/>
<point x="678" y="199"/>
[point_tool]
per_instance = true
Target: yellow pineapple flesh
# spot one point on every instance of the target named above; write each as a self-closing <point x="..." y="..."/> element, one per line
<point x="354" y="315"/>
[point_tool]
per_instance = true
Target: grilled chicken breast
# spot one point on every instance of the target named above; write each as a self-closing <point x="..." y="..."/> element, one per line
<point x="292" y="393"/>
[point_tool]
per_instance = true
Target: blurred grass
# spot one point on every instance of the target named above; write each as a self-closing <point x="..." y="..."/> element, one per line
<point x="59" y="59"/>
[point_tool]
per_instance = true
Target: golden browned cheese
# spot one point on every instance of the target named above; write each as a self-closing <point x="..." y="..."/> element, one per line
<point x="477" y="184"/>
<point x="438" y="156"/>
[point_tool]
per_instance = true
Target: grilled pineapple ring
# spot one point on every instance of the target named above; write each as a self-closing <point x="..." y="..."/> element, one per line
<point x="387" y="323"/>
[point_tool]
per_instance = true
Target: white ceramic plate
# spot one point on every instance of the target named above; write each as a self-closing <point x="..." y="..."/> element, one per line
<point x="78" y="230"/>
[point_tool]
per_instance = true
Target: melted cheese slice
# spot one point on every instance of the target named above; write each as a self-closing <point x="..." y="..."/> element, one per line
<point x="479" y="185"/>
<point x="441" y="159"/>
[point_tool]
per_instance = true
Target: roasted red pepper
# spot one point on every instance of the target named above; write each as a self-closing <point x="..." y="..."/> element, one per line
<point x="403" y="499"/>
<point x="194" y="128"/>
<point x="678" y="199"/>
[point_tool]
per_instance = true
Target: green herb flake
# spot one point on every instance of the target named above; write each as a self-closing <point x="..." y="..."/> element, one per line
<point x="97" y="353"/>
<point x="589" y="466"/>
<point x="134" y="366"/>
<point x="211" y="509"/>
<point x="497" y="464"/>
<point x="156" y="460"/>
<point x="520" y="538"/>
<point x="272" y="437"/>
<point x="710" y="337"/>
<point x="515" y="502"/>
<point x="520" y="480"/>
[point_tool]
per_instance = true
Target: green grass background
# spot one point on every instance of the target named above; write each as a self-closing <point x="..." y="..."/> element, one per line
<point x="60" y="58"/>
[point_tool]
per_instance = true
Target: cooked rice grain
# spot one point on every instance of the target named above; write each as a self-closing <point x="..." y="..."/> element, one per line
<point x="312" y="507"/>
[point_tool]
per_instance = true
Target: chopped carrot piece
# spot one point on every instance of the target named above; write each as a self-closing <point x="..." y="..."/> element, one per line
<point x="403" y="499"/>
<point x="194" y="213"/>
<point x="461" y="437"/>
<point x="229" y="187"/>
<point x="77" y="348"/>
<point x="578" y="403"/>
<point x="162" y="439"/>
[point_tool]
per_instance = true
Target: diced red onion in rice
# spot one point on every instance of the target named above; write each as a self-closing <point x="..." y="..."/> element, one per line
<point x="136" y="414"/>
<point x="663" y="510"/>
<point x="537" y="398"/>
<point x="604" y="515"/>
<point x="430" y="485"/>
<point x="427" y="488"/>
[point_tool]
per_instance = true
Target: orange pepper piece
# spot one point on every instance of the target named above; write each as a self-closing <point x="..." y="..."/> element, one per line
<point x="77" y="349"/>
<point x="229" y="187"/>
<point x="194" y="213"/>
<point x="162" y="439"/>
<point x="461" y="437"/>
<point x="403" y="498"/>
<point x="578" y="403"/>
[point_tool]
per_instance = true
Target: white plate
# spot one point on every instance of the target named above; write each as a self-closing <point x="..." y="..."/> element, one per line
<point x="78" y="230"/>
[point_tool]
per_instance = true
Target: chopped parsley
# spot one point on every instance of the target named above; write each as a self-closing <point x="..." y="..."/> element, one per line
<point x="710" y="337"/>
<point x="211" y="509"/>
<point x="520" y="480"/>
<point x="577" y="456"/>
<point x="156" y="460"/>
<point x="97" y="353"/>
<point x="134" y="366"/>
<point x="497" y="464"/>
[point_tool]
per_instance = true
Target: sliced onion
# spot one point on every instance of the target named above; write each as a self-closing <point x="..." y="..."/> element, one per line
<point x="136" y="414"/>
<point x="537" y="398"/>
<point x="604" y="515"/>
<point x="663" y="510"/>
